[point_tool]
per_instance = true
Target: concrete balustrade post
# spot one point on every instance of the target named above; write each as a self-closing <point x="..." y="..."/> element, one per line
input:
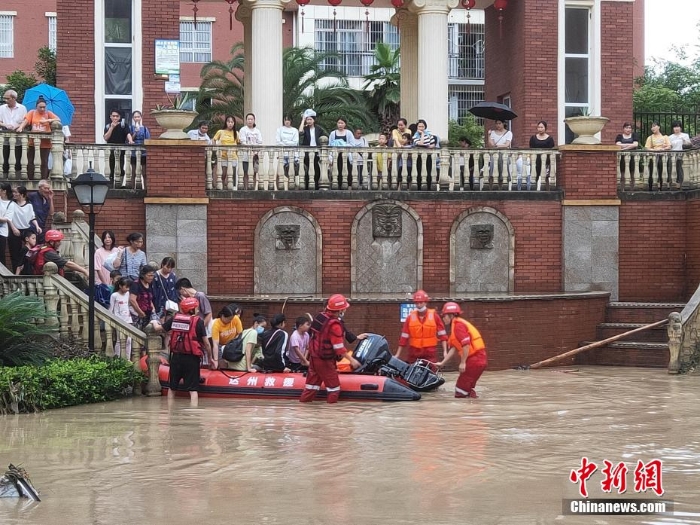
<point x="324" y="182"/>
<point x="78" y="243"/>
<point x="154" y="346"/>
<point x="58" y="182"/>
<point x="51" y="298"/>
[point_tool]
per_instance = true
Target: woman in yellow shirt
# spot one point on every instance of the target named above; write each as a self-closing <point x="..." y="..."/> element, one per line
<point x="657" y="142"/>
<point x="226" y="327"/>
<point x="227" y="137"/>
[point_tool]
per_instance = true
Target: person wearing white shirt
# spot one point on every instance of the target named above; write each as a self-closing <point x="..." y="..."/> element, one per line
<point x="360" y="141"/>
<point x="249" y="135"/>
<point x="119" y="307"/>
<point x="287" y="137"/>
<point x="12" y="115"/>
<point x="678" y="140"/>
<point x="201" y="133"/>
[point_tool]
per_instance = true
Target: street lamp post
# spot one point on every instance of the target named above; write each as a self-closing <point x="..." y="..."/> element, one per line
<point x="91" y="191"/>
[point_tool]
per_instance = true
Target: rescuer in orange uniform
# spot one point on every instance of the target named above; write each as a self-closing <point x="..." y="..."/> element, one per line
<point x="421" y="332"/>
<point x="465" y="340"/>
<point x="327" y="345"/>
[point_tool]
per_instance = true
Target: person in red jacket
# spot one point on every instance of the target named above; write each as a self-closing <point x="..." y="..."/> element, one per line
<point x="422" y="331"/>
<point x="327" y="346"/>
<point x="188" y="342"/>
<point x="465" y="340"/>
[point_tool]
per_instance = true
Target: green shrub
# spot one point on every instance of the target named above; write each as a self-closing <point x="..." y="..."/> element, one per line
<point x="22" y="340"/>
<point x="469" y="128"/>
<point x="63" y="383"/>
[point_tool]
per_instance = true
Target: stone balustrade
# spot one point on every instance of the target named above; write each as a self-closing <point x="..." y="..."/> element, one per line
<point x="21" y="155"/>
<point x="124" y="165"/>
<point x="667" y="170"/>
<point x="684" y="337"/>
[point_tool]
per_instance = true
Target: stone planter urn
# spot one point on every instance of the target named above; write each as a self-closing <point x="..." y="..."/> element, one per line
<point x="174" y="121"/>
<point x="586" y="128"/>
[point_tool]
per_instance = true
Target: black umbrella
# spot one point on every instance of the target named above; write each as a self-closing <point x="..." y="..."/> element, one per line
<point x="493" y="111"/>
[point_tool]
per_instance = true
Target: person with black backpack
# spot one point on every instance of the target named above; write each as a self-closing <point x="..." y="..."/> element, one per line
<point x="274" y="343"/>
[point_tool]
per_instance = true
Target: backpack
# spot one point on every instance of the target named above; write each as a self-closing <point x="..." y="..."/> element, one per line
<point x="233" y="350"/>
<point x="30" y="260"/>
<point x="37" y="258"/>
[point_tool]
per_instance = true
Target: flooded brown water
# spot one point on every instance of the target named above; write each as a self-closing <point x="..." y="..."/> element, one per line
<point x="502" y="459"/>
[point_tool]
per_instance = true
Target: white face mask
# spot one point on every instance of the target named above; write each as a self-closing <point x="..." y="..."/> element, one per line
<point x="422" y="309"/>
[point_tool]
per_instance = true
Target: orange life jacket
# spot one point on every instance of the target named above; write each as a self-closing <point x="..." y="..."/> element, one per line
<point x="423" y="335"/>
<point x="183" y="339"/>
<point x="37" y="257"/>
<point x="477" y="342"/>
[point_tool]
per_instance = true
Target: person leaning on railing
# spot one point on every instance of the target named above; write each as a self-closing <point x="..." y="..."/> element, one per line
<point x="628" y="141"/>
<point x="39" y="120"/>
<point x="656" y="142"/>
<point x="679" y="142"/>
<point x="12" y="114"/>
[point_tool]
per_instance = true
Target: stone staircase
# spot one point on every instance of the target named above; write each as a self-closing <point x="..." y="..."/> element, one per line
<point x="644" y="349"/>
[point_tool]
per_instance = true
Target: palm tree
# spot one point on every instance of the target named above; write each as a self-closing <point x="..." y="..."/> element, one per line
<point x="384" y="83"/>
<point x="308" y="82"/>
<point x="221" y="90"/>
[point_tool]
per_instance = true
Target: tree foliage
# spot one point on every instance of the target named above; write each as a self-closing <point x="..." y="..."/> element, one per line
<point x="221" y="90"/>
<point x="20" y="82"/>
<point x="669" y="86"/>
<point x="468" y="128"/>
<point x="45" y="66"/>
<point x="22" y="340"/>
<point x="384" y="85"/>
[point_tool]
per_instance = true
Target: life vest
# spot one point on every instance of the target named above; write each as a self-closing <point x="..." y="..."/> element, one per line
<point x="183" y="337"/>
<point x="39" y="260"/>
<point x="477" y="342"/>
<point x="320" y="343"/>
<point x="423" y="335"/>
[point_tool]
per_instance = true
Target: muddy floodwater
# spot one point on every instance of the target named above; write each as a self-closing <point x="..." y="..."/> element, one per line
<point x="504" y="458"/>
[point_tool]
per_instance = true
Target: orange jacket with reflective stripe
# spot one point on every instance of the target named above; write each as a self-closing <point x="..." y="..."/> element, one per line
<point x="423" y="335"/>
<point x="477" y="342"/>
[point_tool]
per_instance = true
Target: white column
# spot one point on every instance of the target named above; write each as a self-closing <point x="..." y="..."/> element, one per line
<point x="266" y="96"/>
<point x="408" y="30"/>
<point x="244" y="16"/>
<point x="432" y="62"/>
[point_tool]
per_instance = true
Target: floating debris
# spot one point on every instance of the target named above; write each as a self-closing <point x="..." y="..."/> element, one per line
<point x="16" y="484"/>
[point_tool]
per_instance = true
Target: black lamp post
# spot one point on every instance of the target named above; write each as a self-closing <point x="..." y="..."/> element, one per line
<point x="91" y="191"/>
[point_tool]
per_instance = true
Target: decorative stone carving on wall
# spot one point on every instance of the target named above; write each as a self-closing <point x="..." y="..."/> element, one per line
<point x="287" y="253"/>
<point x="481" y="237"/>
<point x="386" y="250"/>
<point x="287" y="236"/>
<point x="482" y="258"/>
<point x="386" y="221"/>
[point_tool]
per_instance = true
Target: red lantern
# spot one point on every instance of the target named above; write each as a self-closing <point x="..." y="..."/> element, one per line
<point x="230" y="14"/>
<point x="500" y="4"/>
<point x="468" y="4"/>
<point x="302" y="3"/>
<point x="335" y="3"/>
<point x="366" y="3"/>
<point x="397" y="3"/>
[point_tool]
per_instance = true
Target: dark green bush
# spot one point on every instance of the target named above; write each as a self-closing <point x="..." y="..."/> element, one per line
<point x="63" y="383"/>
<point x="22" y="340"/>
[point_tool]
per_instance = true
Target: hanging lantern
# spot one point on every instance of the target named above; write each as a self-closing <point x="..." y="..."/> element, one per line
<point x="194" y="10"/>
<point x="230" y="13"/>
<point x="335" y="3"/>
<point x="302" y="3"/>
<point x="397" y="3"/>
<point x="366" y="3"/>
<point x="468" y="5"/>
<point x="500" y="5"/>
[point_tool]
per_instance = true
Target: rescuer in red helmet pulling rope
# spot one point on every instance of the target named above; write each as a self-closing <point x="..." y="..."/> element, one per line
<point x="421" y="332"/>
<point x="465" y="340"/>
<point x="327" y="345"/>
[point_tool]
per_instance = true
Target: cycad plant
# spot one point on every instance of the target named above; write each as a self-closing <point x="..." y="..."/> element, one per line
<point x="384" y="85"/>
<point x="22" y="340"/>
<point x="221" y="90"/>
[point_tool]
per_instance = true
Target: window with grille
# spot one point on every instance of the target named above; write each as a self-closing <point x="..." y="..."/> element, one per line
<point x="195" y="44"/>
<point x="463" y="97"/>
<point x="52" y="33"/>
<point x="466" y="51"/>
<point x="7" y="36"/>
<point x="354" y="42"/>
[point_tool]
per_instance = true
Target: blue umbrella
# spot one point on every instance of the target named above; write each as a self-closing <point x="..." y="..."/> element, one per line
<point x="56" y="100"/>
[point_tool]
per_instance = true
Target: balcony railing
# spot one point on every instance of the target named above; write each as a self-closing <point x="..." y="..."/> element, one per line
<point x="124" y="165"/>
<point x="667" y="170"/>
<point x="263" y="168"/>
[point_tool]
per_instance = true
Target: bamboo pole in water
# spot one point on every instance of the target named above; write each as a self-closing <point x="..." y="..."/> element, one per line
<point x="597" y="344"/>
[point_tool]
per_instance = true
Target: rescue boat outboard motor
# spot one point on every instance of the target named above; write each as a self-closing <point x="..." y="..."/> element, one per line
<point x="376" y="359"/>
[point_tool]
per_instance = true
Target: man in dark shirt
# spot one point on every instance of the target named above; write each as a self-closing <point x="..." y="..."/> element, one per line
<point x="115" y="133"/>
<point x="42" y="202"/>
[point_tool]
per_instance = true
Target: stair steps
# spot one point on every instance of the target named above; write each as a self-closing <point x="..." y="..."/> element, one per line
<point x="644" y="349"/>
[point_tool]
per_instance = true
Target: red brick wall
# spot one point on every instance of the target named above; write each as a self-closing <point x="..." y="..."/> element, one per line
<point x="175" y="168"/>
<point x="75" y="63"/>
<point x="587" y="173"/>
<point x="653" y="250"/>
<point x="537" y="231"/>
<point x="30" y="31"/>
<point x="693" y="248"/>
<point x="515" y="332"/>
<point x="617" y="66"/>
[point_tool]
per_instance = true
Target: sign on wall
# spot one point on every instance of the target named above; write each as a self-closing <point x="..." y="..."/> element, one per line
<point x="406" y="310"/>
<point x="167" y="57"/>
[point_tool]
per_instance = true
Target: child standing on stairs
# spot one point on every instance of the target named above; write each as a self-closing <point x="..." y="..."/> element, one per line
<point x="119" y="307"/>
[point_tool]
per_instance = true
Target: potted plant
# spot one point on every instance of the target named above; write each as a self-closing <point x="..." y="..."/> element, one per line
<point x="176" y="116"/>
<point x="586" y="126"/>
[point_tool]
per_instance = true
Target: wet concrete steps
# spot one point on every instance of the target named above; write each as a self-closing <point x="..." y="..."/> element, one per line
<point x="645" y="349"/>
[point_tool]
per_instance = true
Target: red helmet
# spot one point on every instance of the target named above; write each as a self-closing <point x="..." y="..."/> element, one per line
<point x="420" y="297"/>
<point x="337" y="302"/>
<point x="188" y="304"/>
<point x="53" y="235"/>
<point x="451" y="308"/>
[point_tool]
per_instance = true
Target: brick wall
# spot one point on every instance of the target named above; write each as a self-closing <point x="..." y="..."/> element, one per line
<point x="175" y="168"/>
<point x="515" y="332"/>
<point x="693" y="247"/>
<point x="588" y="172"/>
<point x="653" y="250"/>
<point x="232" y="227"/>
<point x="75" y="66"/>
